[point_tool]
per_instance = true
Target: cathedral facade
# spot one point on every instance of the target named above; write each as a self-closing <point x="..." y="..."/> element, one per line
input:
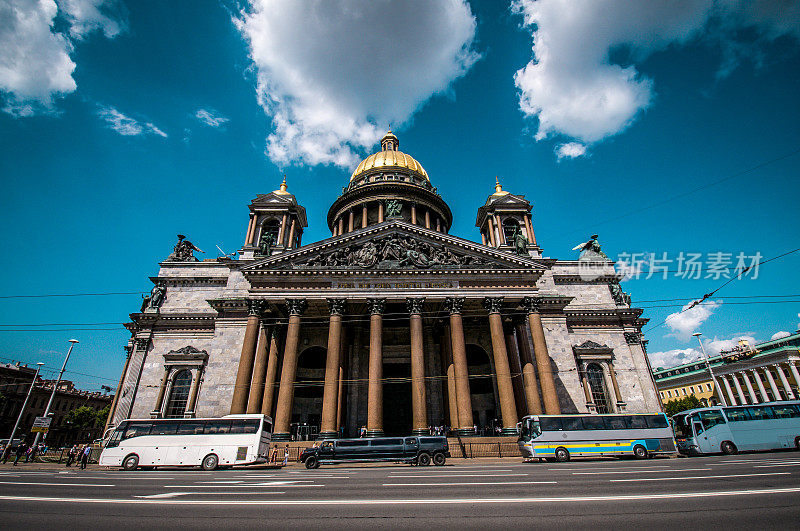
<point x="391" y="325"/>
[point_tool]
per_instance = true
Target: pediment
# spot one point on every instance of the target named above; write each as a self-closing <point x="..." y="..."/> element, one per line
<point x="272" y="199"/>
<point x="396" y="245"/>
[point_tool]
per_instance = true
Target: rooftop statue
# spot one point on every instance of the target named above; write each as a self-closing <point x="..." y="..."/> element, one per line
<point x="590" y="250"/>
<point x="520" y="243"/>
<point x="265" y="243"/>
<point x="184" y="251"/>
<point x="393" y="208"/>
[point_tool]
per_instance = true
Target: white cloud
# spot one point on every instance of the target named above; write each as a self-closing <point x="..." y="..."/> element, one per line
<point x="671" y="358"/>
<point x="125" y="125"/>
<point x="210" y="117"/>
<point x="86" y="16"/>
<point x="36" y="63"/>
<point x="779" y="335"/>
<point x="715" y="346"/>
<point x="334" y="75"/>
<point x="570" y="150"/>
<point x="574" y="89"/>
<point x="684" y="323"/>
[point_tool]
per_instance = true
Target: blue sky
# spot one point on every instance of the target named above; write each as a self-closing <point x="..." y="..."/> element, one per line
<point x="125" y="123"/>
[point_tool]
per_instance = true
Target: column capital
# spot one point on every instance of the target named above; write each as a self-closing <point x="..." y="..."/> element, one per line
<point x="141" y="343"/>
<point x="296" y="306"/>
<point x="255" y="307"/>
<point x="337" y="306"/>
<point x="532" y="304"/>
<point x="414" y="305"/>
<point x="633" y="338"/>
<point x="493" y="304"/>
<point x="454" y="304"/>
<point x="376" y="306"/>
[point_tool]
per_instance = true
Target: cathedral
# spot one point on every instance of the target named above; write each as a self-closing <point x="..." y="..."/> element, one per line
<point x="389" y="326"/>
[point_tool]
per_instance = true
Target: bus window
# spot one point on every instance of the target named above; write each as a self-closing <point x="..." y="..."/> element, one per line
<point x="115" y="437"/>
<point x="217" y="427"/>
<point x="616" y="423"/>
<point x="681" y="426"/>
<point x="190" y="428"/>
<point x="137" y="430"/>
<point x="571" y="423"/>
<point x="550" y="423"/>
<point x="711" y="418"/>
<point x="698" y="428"/>
<point x="656" y="421"/>
<point x="164" y="428"/>
<point x="737" y="414"/>
<point x="762" y="413"/>
<point x="786" y="411"/>
<point x="244" y="426"/>
<point x="593" y="422"/>
<point x="638" y="422"/>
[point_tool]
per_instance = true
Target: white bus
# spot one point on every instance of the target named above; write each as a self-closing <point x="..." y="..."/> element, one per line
<point x="732" y="429"/>
<point x="208" y="443"/>
<point x="560" y="437"/>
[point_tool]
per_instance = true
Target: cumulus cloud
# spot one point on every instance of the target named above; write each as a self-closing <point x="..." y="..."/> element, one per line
<point x="684" y="323"/>
<point x="575" y="89"/>
<point x="36" y="63"/>
<point x="210" y="117"/>
<point x="715" y="346"/>
<point x="334" y="75"/>
<point x="671" y="358"/>
<point x="779" y="335"/>
<point x="570" y="150"/>
<point x="125" y="125"/>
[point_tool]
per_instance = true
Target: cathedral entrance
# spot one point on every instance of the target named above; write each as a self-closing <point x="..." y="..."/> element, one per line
<point x="308" y="391"/>
<point x="397" y="399"/>
<point x="481" y="387"/>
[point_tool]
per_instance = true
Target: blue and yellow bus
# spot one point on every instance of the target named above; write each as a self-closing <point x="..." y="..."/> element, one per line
<point x="560" y="437"/>
<point x="729" y="430"/>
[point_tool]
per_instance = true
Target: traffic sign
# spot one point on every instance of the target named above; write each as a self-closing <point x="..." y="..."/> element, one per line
<point x="41" y="424"/>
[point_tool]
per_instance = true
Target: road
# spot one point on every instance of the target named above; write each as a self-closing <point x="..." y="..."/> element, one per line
<point x="743" y="491"/>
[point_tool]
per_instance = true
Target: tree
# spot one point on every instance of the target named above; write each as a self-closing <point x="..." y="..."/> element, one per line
<point x="81" y="418"/>
<point x="102" y="415"/>
<point x="677" y="405"/>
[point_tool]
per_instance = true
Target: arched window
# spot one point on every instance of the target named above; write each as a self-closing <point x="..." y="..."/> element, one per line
<point x="597" y="384"/>
<point x="510" y="227"/>
<point x="272" y="227"/>
<point x="176" y="405"/>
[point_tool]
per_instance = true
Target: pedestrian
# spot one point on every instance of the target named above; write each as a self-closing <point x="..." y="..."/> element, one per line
<point x="28" y="453"/>
<point x="286" y="455"/>
<point x="274" y="456"/>
<point x="85" y="456"/>
<point x="21" y="448"/>
<point x="72" y="453"/>
<point x="32" y="453"/>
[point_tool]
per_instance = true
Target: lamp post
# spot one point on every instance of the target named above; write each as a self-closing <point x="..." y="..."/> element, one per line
<point x="711" y="372"/>
<point x="53" y="394"/>
<point x="24" y="405"/>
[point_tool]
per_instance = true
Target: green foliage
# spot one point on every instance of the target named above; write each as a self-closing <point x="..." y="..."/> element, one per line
<point x="102" y="415"/>
<point x="677" y="405"/>
<point x="81" y="418"/>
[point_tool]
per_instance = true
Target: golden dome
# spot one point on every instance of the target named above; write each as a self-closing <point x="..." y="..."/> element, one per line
<point x="389" y="157"/>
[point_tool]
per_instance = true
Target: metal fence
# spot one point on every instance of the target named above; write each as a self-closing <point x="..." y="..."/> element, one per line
<point x="485" y="449"/>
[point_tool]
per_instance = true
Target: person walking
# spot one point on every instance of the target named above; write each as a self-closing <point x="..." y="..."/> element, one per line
<point x="72" y="454"/>
<point x="21" y="448"/>
<point x="286" y="455"/>
<point x="85" y="456"/>
<point x="274" y="457"/>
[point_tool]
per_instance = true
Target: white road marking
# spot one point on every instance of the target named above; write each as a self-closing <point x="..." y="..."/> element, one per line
<point x="55" y="484"/>
<point x="702" y="477"/>
<point x="174" y="494"/>
<point x="643" y="469"/>
<point x="637" y="471"/>
<point x="617" y="498"/>
<point x="777" y="464"/>
<point x="451" y="471"/>
<point x="281" y="484"/>
<point x="451" y="475"/>
<point x="469" y="483"/>
<point x="164" y="495"/>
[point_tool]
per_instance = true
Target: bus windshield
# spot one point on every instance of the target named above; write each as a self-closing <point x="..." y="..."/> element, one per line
<point x="681" y="427"/>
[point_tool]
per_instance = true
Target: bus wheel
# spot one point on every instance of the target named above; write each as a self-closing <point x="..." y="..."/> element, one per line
<point x="439" y="459"/>
<point x="424" y="459"/>
<point x="311" y="462"/>
<point x="562" y="455"/>
<point x="131" y="462"/>
<point x="210" y="462"/>
<point x="640" y="452"/>
<point x="797" y="443"/>
<point x="728" y="448"/>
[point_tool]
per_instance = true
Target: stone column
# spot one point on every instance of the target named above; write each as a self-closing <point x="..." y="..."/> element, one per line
<point x="515" y="366"/>
<point x="760" y="384"/>
<point x="341" y="226"/>
<point x="330" y="396"/>
<point x="772" y="384"/>
<point x="491" y="231"/>
<point x="427" y="218"/>
<point x="419" y="423"/>
<point x="460" y="372"/>
<point x="483" y="238"/>
<point x="795" y="373"/>
<point x="290" y="242"/>
<point x="283" y="410"/>
<point x="587" y="390"/>
<point x="546" y="380"/>
<point x="449" y="371"/>
<point x="531" y="235"/>
<point x="272" y="371"/>
<point x="350" y="220"/>
<point x="784" y="381"/>
<point x="162" y="390"/>
<point x="739" y="391"/>
<point x="380" y="211"/>
<point x="191" y="405"/>
<point x="281" y="231"/>
<point x="750" y="390"/>
<point x="375" y="379"/>
<point x="242" y="386"/>
<point x="413" y="213"/>
<point x="364" y="216"/>
<point x="615" y="385"/>
<point x="528" y="371"/>
<point x="731" y="398"/>
<point x="505" y="389"/>
<point x="248" y="238"/>
<point x="259" y="373"/>
<point x="501" y="235"/>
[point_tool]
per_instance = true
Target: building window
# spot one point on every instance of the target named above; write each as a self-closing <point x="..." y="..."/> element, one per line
<point x="708" y="387"/>
<point x="669" y="394"/>
<point x="662" y="394"/>
<point x="691" y="389"/>
<point x="179" y="396"/>
<point x="597" y="385"/>
<point x="684" y="391"/>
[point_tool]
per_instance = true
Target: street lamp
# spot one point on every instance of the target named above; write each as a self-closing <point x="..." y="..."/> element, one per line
<point x="24" y="405"/>
<point x="708" y="366"/>
<point x="53" y="394"/>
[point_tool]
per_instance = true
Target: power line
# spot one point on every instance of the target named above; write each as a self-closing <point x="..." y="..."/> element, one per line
<point x="72" y="295"/>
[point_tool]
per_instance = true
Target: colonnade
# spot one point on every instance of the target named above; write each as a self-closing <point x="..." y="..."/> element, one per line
<point x="734" y="393"/>
<point x="257" y="372"/>
<point x="420" y="215"/>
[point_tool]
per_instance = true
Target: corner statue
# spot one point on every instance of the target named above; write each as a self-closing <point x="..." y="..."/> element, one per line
<point x="184" y="251"/>
<point x="590" y="250"/>
<point x="393" y="208"/>
<point x="520" y="243"/>
<point x="156" y="297"/>
<point x="265" y="243"/>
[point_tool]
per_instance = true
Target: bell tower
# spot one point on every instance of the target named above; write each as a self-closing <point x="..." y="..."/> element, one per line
<point x="276" y="224"/>
<point x="505" y="219"/>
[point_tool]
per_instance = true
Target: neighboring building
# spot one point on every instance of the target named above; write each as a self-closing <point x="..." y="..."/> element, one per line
<point x="391" y="324"/>
<point x="15" y="381"/>
<point x="746" y="375"/>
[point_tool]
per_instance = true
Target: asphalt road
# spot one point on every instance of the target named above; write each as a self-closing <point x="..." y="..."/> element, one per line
<point x="743" y="491"/>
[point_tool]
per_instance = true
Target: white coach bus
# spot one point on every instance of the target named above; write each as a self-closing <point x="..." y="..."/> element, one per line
<point x="208" y="443"/>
